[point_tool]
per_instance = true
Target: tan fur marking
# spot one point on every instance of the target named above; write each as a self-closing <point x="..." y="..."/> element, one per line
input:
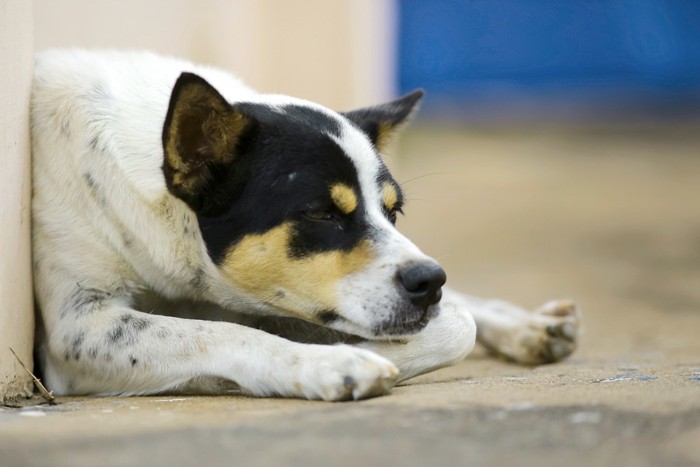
<point x="260" y="265"/>
<point x="385" y="131"/>
<point x="344" y="197"/>
<point x="389" y="195"/>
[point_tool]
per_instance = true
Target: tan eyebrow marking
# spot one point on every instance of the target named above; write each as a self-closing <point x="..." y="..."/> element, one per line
<point x="389" y="195"/>
<point x="344" y="197"/>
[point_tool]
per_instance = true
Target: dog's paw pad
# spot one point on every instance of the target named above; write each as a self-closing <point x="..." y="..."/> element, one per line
<point x="551" y="334"/>
<point x="352" y="374"/>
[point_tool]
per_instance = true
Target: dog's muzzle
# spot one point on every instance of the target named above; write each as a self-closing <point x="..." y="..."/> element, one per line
<point x="420" y="288"/>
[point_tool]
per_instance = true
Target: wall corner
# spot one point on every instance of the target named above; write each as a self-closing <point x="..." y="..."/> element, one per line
<point x="16" y="297"/>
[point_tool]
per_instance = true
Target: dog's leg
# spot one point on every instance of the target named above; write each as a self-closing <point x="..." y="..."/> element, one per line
<point x="548" y="334"/>
<point x="445" y="341"/>
<point x="111" y="349"/>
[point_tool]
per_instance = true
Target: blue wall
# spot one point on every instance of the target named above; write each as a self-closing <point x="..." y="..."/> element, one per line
<point x="477" y="57"/>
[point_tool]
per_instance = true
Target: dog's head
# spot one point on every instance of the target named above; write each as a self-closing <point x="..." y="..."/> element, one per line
<point x="297" y="209"/>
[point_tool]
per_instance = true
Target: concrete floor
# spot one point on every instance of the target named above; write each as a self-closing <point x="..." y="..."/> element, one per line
<point x="610" y="218"/>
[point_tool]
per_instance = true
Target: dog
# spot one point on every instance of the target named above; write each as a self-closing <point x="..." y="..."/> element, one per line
<point x="192" y="235"/>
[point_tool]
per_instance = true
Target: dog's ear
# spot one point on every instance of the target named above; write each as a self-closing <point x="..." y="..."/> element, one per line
<point x="382" y="121"/>
<point x="200" y="136"/>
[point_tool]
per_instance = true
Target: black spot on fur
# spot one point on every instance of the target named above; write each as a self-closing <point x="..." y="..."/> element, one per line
<point x="125" y="330"/>
<point x="163" y="333"/>
<point x="199" y="281"/>
<point x="89" y="180"/>
<point x="327" y="316"/>
<point x="134" y="323"/>
<point x="116" y="335"/>
<point x="134" y="361"/>
<point x="127" y="239"/>
<point x="76" y="345"/>
<point x="84" y="300"/>
<point x="94" y="143"/>
<point x="95" y="189"/>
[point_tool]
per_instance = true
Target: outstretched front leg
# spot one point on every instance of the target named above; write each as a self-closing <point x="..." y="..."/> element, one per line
<point x="546" y="335"/>
<point x="100" y="346"/>
<point x="445" y="341"/>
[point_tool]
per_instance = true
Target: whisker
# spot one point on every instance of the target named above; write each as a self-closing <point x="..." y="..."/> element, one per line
<point x="421" y="176"/>
<point x="418" y="199"/>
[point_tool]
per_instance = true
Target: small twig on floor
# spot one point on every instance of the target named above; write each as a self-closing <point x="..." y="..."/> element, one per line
<point x="45" y="393"/>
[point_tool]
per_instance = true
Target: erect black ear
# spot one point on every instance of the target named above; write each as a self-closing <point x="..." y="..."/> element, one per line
<point x="200" y="135"/>
<point x="380" y="122"/>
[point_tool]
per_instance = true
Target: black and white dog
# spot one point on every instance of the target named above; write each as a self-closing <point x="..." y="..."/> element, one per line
<point x="190" y="234"/>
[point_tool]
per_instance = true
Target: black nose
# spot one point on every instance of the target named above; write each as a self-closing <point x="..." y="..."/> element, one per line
<point x="422" y="283"/>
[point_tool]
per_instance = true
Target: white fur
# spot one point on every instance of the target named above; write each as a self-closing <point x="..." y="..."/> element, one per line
<point x="106" y="230"/>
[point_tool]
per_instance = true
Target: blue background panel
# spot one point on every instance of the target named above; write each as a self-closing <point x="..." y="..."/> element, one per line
<point x="644" y="54"/>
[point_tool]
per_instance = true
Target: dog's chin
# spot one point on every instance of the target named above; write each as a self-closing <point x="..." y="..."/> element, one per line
<point x="405" y="324"/>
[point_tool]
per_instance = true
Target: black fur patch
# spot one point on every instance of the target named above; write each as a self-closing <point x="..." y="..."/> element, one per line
<point x="313" y="119"/>
<point x="285" y="167"/>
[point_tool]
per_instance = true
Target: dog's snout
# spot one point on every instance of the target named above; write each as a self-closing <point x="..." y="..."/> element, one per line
<point x="422" y="283"/>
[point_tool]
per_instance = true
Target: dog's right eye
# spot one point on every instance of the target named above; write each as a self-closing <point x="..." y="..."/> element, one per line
<point x="319" y="215"/>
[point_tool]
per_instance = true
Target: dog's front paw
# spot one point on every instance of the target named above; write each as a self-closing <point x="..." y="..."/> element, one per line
<point x="340" y="373"/>
<point x="548" y="335"/>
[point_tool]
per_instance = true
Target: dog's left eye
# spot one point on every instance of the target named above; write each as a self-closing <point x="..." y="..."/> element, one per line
<point x="391" y="215"/>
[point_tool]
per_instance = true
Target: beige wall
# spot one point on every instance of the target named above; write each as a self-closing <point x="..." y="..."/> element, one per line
<point x="16" y="317"/>
<point x="336" y="52"/>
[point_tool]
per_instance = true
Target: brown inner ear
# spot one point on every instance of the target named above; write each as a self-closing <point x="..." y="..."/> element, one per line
<point x="201" y="131"/>
<point x="382" y="121"/>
